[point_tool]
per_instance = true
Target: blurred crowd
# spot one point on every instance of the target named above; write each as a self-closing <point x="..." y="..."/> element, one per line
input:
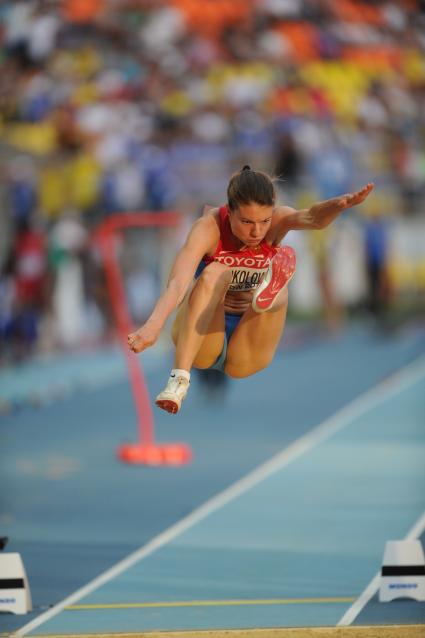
<point x="112" y="106"/>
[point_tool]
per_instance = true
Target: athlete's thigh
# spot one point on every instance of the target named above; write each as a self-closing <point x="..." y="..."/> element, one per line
<point x="213" y="341"/>
<point x="255" y="340"/>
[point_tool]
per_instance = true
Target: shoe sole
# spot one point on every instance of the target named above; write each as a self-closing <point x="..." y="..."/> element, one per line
<point x="289" y="254"/>
<point x="169" y="406"/>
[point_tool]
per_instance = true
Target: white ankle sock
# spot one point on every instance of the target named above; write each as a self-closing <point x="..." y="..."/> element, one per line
<point x="178" y="372"/>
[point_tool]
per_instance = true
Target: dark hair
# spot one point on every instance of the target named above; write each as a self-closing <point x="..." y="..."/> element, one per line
<point x="248" y="186"/>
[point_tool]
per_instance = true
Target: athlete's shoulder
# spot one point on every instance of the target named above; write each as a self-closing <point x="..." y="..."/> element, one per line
<point x="206" y="227"/>
<point x="217" y="213"/>
<point x="210" y="211"/>
<point x="210" y="219"/>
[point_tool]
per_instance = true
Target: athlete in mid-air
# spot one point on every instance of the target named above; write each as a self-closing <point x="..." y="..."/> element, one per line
<point x="229" y="283"/>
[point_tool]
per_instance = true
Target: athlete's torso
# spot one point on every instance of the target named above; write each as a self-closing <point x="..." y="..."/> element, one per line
<point x="248" y="264"/>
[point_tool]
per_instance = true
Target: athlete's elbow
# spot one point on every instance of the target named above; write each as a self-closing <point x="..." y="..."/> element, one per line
<point x="321" y="224"/>
<point x="318" y="223"/>
<point x="311" y="220"/>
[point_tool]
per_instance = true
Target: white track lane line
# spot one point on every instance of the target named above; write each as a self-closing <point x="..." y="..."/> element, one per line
<point x="355" y="609"/>
<point x="396" y="383"/>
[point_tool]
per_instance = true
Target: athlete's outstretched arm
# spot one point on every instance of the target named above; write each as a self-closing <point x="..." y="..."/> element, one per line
<point x="319" y="215"/>
<point x="202" y="238"/>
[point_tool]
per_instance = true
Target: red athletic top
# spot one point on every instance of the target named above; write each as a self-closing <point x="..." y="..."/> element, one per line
<point x="249" y="264"/>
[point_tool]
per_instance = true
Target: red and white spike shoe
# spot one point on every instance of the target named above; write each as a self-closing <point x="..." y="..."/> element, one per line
<point x="280" y="272"/>
<point x="170" y="399"/>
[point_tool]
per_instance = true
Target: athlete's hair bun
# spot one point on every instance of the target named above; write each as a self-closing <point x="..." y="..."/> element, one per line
<point x="246" y="167"/>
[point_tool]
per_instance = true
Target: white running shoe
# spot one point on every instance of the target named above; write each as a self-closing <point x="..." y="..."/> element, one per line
<point x="175" y="391"/>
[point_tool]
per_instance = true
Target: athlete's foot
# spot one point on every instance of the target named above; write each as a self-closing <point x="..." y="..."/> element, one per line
<point x="170" y="399"/>
<point x="280" y="272"/>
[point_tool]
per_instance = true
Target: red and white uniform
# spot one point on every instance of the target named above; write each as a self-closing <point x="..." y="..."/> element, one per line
<point x="249" y="265"/>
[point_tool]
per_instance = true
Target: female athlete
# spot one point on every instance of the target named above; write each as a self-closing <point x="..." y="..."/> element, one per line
<point x="229" y="282"/>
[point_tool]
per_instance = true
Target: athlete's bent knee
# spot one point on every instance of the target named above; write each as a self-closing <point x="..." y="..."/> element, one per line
<point x="246" y="370"/>
<point x="203" y="363"/>
<point x="215" y="275"/>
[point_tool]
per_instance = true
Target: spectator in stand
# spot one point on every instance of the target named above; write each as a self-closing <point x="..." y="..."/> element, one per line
<point x="376" y="229"/>
<point x="22" y="191"/>
<point x="288" y="166"/>
<point x="153" y="103"/>
<point x="9" y="339"/>
<point x="320" y="245"/>
<point x="30" y="280"/>
<point x="68" y="240"/>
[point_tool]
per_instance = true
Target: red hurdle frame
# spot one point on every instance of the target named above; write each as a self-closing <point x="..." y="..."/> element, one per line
<point x="146" y="450"/>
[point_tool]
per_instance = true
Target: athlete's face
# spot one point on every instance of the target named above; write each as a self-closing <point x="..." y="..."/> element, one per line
<point x="250" y="223"/>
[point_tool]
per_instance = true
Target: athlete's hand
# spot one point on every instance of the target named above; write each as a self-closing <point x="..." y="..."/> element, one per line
<point x="352" y="199"/>
<point x="143" y="338"/>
